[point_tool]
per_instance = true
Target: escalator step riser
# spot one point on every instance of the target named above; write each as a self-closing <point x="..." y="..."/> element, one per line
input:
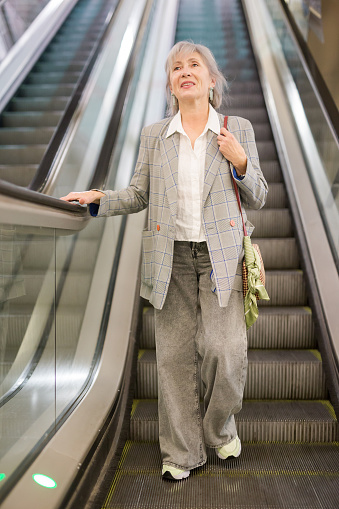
<point x="240" y="88"/>
<point x="18" y="175"/>
<point x="279" y="254"/>
<point x="46" y="79"/>
<point x="275" y="328"/>
<point x="266" y="421"/>
<point x="64" y="46"/>
<point x="265" y="380"/>
<point x="43" y="119"/>
<point x="17" y="155"/>
<point x="272" y="171"/>
<point x="246" y="101"/>
<point x="285" y="288"/>
<point x="306" y="432"/>
<point x="254" y="115"/>
<point x="39" y="104"/>
<point x="53" y="90"/>
<point x="59" y="67"/>
<point x="271" y="223"/>
<point x="69" y="55"/>
<point x="266" y="150"/>
<point x="25" y="136"/>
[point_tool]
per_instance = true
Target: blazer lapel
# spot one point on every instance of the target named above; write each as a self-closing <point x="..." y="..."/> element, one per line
<point x="212" y="162"/>
<point x="169" y="150"/>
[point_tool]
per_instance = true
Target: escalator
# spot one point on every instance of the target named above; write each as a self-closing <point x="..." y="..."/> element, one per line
<point x="288" y="423"/>
<point x="288" y="426"/>
<point x="35" y="113"/>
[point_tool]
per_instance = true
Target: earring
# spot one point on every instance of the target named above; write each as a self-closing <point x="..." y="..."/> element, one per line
<point x="174" y="99"/>
<point x="211" y="94"/>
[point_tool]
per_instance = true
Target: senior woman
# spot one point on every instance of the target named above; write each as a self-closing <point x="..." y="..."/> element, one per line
<point x="192" y="256"/>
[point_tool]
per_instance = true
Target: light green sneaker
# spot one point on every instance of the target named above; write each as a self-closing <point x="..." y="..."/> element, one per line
<point x="231" y="449"/>
<point x="174" y="474"/>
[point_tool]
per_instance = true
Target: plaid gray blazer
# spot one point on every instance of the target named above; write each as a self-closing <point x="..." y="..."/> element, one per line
<point x="154" y="184"/>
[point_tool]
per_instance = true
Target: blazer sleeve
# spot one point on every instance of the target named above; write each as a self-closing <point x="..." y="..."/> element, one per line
<point x="253" y="187"/>
<point x="133" y="198"/>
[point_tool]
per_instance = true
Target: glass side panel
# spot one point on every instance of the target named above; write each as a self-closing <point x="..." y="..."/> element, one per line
<point x="27" y="341"/>
<point x="326" y="181"/>
<point x="15" y="17"/>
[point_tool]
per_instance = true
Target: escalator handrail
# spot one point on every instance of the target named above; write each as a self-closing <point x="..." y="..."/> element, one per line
<point x="28" y="49"/>
<point x="47" y="211"/>
<point x="325" y="94"/>
<point x="44" y="171"/>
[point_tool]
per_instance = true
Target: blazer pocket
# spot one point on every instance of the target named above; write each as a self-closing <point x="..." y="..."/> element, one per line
<point x="147" y="258"/>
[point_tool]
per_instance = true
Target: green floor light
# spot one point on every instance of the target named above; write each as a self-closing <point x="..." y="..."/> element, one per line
<point x="45" y="481"/>
<point x="2" y="477"/>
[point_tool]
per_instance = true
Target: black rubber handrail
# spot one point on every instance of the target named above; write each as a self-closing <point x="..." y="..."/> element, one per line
<point x="27" y="195"/>
<point x="42" y="175"/>
<point x="319" y="81"/>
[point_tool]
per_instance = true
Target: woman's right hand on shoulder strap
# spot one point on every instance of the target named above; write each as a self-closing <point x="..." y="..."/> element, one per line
<point x="84" y="197"/>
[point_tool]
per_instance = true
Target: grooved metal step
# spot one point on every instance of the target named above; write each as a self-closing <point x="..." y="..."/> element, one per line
<point x="52" y="77"/>
<point x="31" y="119"/>
<point x="272" y="476"/>
<point x="21" y="154"/>
<point x="25" y="136"/>
<point x="271" y="170"/>
<point x="272" y="374"/>
<point x="53" y="90"/>
<point x="276" y="327"/>
<point x="28" y="104"/>
<point x="20" y="175"/>
<point x="279" y="253"/>
<point x="271" y="222"/>
<point x="285" y="288"/>
<point x="258" y="421"/>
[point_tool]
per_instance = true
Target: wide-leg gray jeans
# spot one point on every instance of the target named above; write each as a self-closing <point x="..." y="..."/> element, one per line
<point x="220" y="343"/>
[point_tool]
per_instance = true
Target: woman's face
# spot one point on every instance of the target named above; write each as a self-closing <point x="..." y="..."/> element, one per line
<point x="190" y="79"/>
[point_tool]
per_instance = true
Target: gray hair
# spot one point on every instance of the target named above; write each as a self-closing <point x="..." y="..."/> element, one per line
<point x="188" y="47"/>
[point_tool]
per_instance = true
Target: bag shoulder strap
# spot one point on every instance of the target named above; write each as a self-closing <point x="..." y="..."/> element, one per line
<point x="236" y="189"/>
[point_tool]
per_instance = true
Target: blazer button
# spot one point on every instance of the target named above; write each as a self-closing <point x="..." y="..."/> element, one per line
<point x="232" y="223"/>
<point x="158" y="227"/>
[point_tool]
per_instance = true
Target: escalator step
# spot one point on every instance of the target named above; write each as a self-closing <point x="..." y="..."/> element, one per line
<point x="25" y="136"/>
<point x="59" y="66"/>
<point x="52" y="77"/>
<point x="20" y="155"/>
<point x="53" y="90"/>
<point x="272" y="374"/>
<point x="271" y="170"/>
<point x="285" y="288"/>
<point x="39" y="104"/>
<point x="276" y="327"/>
<point x="20" y="175"/>
<point x="258" y="421"/>
<point x="271" y="222"/>
<point x="31" y="119"/>
<point x="279" y="254"/>
<point x="275" y="476"/>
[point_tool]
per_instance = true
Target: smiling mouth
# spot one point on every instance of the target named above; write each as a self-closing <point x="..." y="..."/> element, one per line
<point x="187" y="84"/>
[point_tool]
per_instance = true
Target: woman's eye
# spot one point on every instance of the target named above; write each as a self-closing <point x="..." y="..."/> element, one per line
<point x="176" y="68"/>
<point x="195" y="64"/>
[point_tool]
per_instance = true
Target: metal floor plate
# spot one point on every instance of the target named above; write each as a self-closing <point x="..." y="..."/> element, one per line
<point x="287" y="476"/>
